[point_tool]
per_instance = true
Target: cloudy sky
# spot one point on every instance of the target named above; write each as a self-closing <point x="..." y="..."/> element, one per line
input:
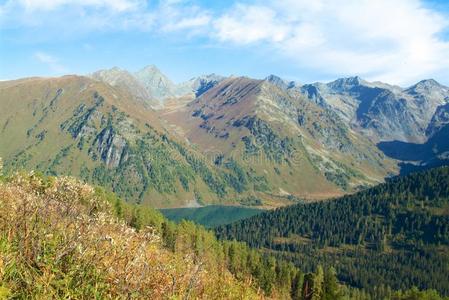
<point x="396" y="41"/>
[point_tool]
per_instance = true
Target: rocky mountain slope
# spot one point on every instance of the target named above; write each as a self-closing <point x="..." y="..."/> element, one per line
<point x="433" y="153"/>
<point x="78" y="126"/>
<point x="303" y="149"/>
<point x="384" y="113"/>
<point x="122" y="79"/>
<point x="152" y="87"/>
<point x="381" y="111"/>
<point x="225" y="140"/>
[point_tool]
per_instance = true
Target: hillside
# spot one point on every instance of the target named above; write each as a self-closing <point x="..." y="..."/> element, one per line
<point x="232" y="141"/>
<point x="305" y="151"/>
<point x="394" y="235"/>
<point x="77" y="126"/>
<point x="378" y="110"/>
<point x="266" y="146"/>
<point x="63" y="239"/>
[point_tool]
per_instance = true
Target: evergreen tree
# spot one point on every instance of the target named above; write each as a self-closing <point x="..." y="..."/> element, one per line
<point x="318" y="282"/>
<point x="297" y="284"/>
<point x="331" y="288"/>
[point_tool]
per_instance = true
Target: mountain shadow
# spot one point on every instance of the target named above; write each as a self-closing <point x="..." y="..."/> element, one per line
<point x="417" y="157"/>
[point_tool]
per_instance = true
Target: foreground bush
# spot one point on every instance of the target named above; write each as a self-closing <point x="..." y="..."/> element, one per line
<point x="61" y="239"/>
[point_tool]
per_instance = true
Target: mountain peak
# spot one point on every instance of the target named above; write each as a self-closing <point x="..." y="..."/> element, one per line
<point x="115" y="68"/>
<point x="429" y="87"/>
<point x="104" y="72"/>
<point x="427" y="84"/>
<point x="273" y="77"/>
<point x="150" y="68"/>
<point x="155" y="82"/>
<point x="353" y="80"/>
<point x="346" y="83"/>
<point x="279" y="82"/>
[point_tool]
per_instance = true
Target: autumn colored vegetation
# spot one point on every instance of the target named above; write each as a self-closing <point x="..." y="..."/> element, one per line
<point x="63" y="239"/>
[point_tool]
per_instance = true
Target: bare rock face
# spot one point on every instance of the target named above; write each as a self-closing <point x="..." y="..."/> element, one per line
<point x="388" y="117"/>
<point x="380" y="111"/>
<point x="156" y="83"/>
<point x="439" y="120"/>
<point x="151" y="87"/>
<point x="124" y="80"/>
<point x="112" y="147"/>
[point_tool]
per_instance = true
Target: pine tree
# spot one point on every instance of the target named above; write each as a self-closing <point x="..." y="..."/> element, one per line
<point x="331" y="288"/>
<point x="307" y="288"/>
<point x="318" y="281"/>
<point x="297" y="284"/>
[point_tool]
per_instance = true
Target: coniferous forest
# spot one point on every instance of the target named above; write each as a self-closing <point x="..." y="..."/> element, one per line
<point x="61" y="238"/>
<point x="392" y="236"/>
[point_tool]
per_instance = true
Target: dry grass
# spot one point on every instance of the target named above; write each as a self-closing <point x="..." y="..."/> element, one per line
<point x="59" y="239"/>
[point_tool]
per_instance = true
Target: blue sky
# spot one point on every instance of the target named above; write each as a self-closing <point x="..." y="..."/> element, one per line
<point x="396" y="41"/>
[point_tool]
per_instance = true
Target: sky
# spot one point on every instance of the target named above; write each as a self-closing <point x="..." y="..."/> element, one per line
<point x="394" y="41"/>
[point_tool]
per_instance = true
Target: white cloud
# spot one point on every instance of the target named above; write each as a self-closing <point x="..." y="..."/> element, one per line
<point x="178" y="15"/>
<point x="51" y="61"/>
<point x="93" y="15"/>
<point x="248" y="24"/>
<point x="394" y="41"/>
<point x="115" y="5"/>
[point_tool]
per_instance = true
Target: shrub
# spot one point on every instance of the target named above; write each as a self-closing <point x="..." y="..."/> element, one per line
<point x="59" y="238"/>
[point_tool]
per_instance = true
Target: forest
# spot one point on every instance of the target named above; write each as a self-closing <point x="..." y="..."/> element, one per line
<point x="61" y="238"/>
<point x="392" y="236"/>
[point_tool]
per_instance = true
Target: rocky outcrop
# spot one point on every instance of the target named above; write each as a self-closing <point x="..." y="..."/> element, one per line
<point x="156" y="83"/>
<point x="380" y="111"/>
<point x="439" y="120"/>
<point x="112" y="147"/>
<point x="126" y="81"/>
<point x="83" y="122"/>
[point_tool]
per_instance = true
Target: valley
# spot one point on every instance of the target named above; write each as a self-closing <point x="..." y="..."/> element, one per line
<point x="308" y="175"/>
<point x="221" y="150"/>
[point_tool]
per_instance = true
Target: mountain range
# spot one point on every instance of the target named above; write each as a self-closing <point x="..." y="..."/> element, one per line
<point x="216" y="139"/>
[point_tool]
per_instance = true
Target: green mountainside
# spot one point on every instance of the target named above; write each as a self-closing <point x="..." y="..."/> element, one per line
<point x="77" y="126"/>
<point x="304" y="150"/>
<point x="245" y="142"/>
<point x="395" y="235"/>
